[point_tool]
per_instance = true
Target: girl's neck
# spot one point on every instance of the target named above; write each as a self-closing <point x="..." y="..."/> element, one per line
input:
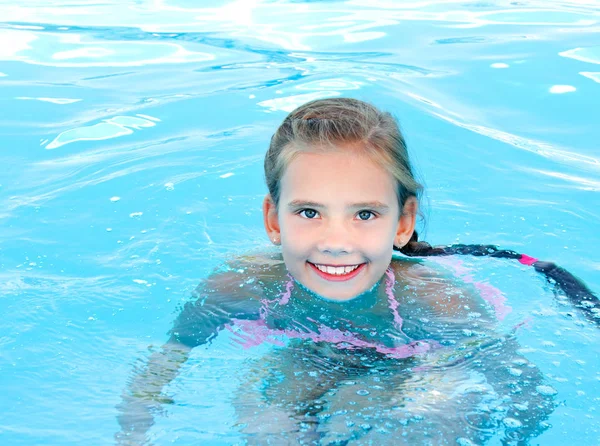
<point x="368" y="299"/>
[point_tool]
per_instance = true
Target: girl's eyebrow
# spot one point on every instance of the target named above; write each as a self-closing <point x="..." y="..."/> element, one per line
<point x="377" y="205"/>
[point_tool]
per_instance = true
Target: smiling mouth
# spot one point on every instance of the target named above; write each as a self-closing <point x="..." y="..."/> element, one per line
<point x="337" y="273"/>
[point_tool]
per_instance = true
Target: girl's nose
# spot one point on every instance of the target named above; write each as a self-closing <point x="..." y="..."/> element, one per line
<point x="336" y="240"/>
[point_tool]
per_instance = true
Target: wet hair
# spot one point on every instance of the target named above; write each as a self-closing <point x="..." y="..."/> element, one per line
<point x="337" y="124"/>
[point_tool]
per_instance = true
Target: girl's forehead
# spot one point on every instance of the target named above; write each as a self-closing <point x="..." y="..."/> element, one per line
<point x="346" y="173"/>
<point x="341" y="159"/>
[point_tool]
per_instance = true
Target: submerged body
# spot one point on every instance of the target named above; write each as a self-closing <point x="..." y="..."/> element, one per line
<point x="415" y="359"/>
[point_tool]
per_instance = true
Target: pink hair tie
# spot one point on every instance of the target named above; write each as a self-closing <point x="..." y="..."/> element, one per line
<point x="526" y="260"/>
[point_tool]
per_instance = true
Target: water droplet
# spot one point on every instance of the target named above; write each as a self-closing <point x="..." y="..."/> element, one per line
<point x="362" y="392"/>
<point x="115" y="199"/>
<point x="514" y="371"/>
<point x="512" y="423"/>
<point x="546" y="390"/>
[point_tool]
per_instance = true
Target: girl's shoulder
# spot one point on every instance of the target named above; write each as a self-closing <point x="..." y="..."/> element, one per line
<point x="437" y="287"/>
<point x="235" y="276"/>
<point x="258" y="260"/>
<point x="408" y="267"/>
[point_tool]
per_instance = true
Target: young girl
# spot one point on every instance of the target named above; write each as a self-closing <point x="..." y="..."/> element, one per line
<point x="371" y="348"/>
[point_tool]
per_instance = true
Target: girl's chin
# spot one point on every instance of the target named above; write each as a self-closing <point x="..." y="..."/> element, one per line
<point x="333" y="295"/>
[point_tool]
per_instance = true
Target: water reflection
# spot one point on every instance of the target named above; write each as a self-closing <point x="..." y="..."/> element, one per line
<point x="75" y="50"/>
<point x="109" y="128"/>
<point x="589" y="55"/>
<point x="593" y="76"/>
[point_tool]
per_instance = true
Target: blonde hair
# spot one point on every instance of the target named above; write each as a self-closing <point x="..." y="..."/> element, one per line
<point x="329" y="124"/>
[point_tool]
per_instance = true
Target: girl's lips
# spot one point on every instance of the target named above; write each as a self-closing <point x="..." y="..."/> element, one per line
<point x="337" y="278"/>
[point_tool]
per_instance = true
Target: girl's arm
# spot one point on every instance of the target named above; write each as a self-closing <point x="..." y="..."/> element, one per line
<point x="143" y="395"/>
<point x="219" y="299"/>
<point x="510" y="374"/>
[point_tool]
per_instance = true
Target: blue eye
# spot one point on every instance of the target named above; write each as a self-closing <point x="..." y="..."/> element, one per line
<point x="366" y="215"/>
<point x="308" y="213"/>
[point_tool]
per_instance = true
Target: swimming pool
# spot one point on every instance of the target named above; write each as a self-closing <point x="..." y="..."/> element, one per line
<point x="132" y="137"/>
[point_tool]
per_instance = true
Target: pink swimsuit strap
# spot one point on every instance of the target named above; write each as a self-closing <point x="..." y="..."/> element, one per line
<point x="256" y="332"/>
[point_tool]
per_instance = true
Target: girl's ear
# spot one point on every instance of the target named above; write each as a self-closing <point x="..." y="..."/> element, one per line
<point x="271" y="220"/>
<point x="406" y="224"/>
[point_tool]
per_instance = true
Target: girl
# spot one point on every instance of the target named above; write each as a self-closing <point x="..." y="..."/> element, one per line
<point x="373" y="348"/>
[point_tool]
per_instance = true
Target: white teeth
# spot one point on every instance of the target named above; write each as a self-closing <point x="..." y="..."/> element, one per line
<point x="337" y="270"/>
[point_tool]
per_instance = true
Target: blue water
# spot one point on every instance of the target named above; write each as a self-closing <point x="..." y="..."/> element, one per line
<point x="131" y="143"/>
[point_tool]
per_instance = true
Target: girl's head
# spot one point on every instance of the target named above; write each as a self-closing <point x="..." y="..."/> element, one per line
<point x="341" y="194"/>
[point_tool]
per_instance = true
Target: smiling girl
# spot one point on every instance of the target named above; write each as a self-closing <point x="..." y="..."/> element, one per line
<point x="371" y="347"/>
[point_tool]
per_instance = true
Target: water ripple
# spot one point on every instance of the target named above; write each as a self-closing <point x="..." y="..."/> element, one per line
<point x="74" y="50"/>
<point x="544" y="149"/>
<point x="109" y="128"/>
<point x="589" y="54"/>
<point x="582" y="183"/>
<point x="593" y="76"/>
<point x="58" y="101"/>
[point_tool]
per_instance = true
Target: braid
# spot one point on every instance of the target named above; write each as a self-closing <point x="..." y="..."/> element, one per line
<point x="577" y="292"/>
<point x="415" y="248"/>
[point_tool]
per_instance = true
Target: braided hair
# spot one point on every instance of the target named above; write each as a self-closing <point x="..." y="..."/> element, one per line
<point x="573" y="288"/>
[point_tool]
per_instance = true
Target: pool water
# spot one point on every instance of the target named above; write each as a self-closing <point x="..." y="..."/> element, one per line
<point x="132" y="136"/>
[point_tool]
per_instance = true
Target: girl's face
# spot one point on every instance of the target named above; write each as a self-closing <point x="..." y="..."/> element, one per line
<point x="337" y="223"/>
